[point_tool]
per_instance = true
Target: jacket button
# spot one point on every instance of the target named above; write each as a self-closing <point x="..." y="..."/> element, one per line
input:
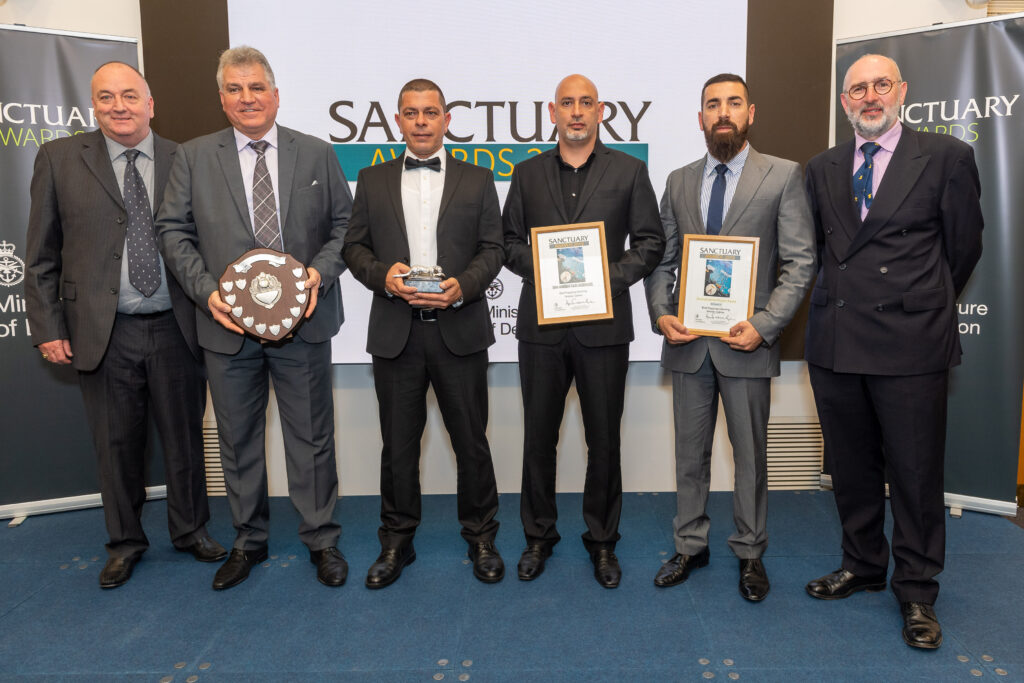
<point x="879" y="307"/>
<point x="113" y="291"/>
<point x="842" y="266"/>
<point x="120" y="219"/>
<point x="117" y="257"/>
<point x="883" y="270"/>
<point x="828" y="231"/>
<point x="903" y="232"/>
<point x="840" y="303"/>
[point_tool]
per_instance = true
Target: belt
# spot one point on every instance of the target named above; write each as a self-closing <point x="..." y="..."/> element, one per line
<point x="427" y="315"/>
<point x="146" y="316"/>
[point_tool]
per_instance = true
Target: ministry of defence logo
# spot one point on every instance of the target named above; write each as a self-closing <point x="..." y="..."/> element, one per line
<point x="495" y="289"/>
<point x="12" y="268"/>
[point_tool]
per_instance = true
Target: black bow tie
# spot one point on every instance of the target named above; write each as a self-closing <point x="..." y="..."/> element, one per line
<point x="434" y="163"/>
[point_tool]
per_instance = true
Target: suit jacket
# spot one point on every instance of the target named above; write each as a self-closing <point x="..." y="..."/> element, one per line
<point x="469" y="248"/>
<point x="885" y="299"/>
<point x="769" y="203"/>
<point x="617" y="191"/>
<point x="76" y="234"/>
<point x="204" y="224"/>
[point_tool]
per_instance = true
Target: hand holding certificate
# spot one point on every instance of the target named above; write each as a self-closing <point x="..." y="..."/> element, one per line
<point x="570" y="273"/>
<point x="717" y="278"/>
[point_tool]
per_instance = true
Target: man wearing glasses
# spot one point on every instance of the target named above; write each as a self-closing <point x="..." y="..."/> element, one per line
<point x="898" y="222"/>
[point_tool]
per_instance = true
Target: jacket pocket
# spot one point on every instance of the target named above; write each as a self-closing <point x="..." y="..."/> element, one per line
<point x="924" y="300"/>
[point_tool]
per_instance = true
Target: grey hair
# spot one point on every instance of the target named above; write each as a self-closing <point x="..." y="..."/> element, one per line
<point x="243" y="55"/>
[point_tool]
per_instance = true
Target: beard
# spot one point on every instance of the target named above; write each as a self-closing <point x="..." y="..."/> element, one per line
<point x="873" y="129"/>
<point x="724" y="146"/>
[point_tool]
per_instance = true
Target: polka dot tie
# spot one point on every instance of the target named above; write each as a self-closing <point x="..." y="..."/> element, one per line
<point x="143" y="258"/>
<point x="264" y="206"/>
<point x="862" y="181"/>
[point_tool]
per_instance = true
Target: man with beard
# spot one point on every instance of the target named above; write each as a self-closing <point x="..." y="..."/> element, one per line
<point x="578" y="181"/>
<point x="732" y="191"/>
<point x="898" y="221"/>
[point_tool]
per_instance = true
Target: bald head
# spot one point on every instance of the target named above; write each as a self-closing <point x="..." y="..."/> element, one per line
<point x="880" y="65"/>
<point x="576" y="113"/>
<point x="575" y="82"/>
<point x="871" y="112"/>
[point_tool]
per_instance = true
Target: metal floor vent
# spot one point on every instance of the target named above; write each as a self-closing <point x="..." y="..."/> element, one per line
<point x="795" y="450"/>
<point x="211" y="454"/>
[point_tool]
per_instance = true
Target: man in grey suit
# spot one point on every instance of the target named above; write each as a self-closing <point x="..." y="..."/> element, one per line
<point x="732" y="191"/>
<point x="100" y="300"/>
<point x="427" y="208"/>
<point x="302" y="206"/>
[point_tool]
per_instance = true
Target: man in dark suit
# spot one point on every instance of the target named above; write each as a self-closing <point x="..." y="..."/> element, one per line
<point x="578" y="181"/>
<point x="302" y="205"/>
<point x="733" y="191"/>
<point x="427" y="208"/>
<point x="100" y="299"/>
<point x="899" y="224"/>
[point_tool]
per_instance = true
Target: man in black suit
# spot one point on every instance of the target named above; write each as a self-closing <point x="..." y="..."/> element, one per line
<point x="100" y="300"/>
<point x="260" y="184"/>
<point x="578" y="181"/>
<point x="427" y="208"/>
<point x="898" y="223"/>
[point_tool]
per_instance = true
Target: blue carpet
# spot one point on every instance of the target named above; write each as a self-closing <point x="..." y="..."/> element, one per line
<point x="438" y="623"/>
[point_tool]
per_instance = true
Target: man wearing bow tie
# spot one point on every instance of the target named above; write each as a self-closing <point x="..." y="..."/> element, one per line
<point x="427" y="208"/>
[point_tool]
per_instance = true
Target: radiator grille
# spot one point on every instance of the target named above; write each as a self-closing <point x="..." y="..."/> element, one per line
<point x="211" y="454"/>
<point x="794" y="453"/>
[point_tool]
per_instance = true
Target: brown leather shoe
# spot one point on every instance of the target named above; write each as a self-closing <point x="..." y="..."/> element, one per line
<point x="842" y="584"/>
<point x="920" y="625"/>
<point x="117" y="571"/>
<point x="678" y="569"/>
<point x="331" y="567"/>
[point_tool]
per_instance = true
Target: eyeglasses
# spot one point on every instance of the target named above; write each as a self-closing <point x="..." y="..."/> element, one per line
<point x="882" y="86"/>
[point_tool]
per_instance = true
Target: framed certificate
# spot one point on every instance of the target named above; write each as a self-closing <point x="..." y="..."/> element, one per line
<point x="570" y="273"/>
<point x="717" y="279"/>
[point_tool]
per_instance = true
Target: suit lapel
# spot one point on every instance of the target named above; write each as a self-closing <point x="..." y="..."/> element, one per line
<point x="452" y="176"/>
<point x="693" y="179"/>
<point x="754" y="171"/>
<point x="393" y="187"/>
<point x="97" y="160"/>
<point x="901" y="174"/>
<point x="227" y="155"/>
<point x="554" y="183"/>
<point x="163" y="158"/>
<point x="598" y="167"/>
<point x="839" y="181"/>
<point x="287" y="155"/>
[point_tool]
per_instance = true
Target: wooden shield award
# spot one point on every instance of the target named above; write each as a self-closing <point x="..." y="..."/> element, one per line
<point x="267" y="293"/>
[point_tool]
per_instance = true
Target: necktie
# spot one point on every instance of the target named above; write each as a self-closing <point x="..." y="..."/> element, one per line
<point x="434" y="163"/>
<point x="143" y="259"/>
<point x="862" y="181"/>
<point x="264" y="206"/>
<point x="717" y="206"/>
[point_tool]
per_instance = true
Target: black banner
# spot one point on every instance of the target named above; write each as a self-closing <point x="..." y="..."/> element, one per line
<point x="967" y="81"/>
<point x="44" y="94"/>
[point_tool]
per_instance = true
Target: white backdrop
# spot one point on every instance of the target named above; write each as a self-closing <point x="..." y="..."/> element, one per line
<point x="324" y="52"/>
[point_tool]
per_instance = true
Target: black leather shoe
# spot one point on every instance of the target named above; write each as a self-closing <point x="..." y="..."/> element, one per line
<point x="206" y="550"/>
<point x="487" y="563"/>
<point x="753" y="580"/>
<point x="606" y="567"/>
<point x="531" y="563"/>
<point x="236" y="569"/>
<point x="331" y="567"/>
<point x="117" y="571"/>
<point x="388" y="566"/>
<point x="920" y="625"/>
<point x="842" y="584"/>
<point x="678" y="569"/>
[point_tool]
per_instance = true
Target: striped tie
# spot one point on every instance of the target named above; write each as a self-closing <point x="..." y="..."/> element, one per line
<point x="264" y="206"/>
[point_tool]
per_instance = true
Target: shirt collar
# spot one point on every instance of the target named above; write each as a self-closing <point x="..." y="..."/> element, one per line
<point x="242" y="140"/>
<point x="888" y="140"/>
<point x="440" y="154"/>
<point x="735" y="165"/>
<point x="585" y="164"/>
<point x="116" y="149"/>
